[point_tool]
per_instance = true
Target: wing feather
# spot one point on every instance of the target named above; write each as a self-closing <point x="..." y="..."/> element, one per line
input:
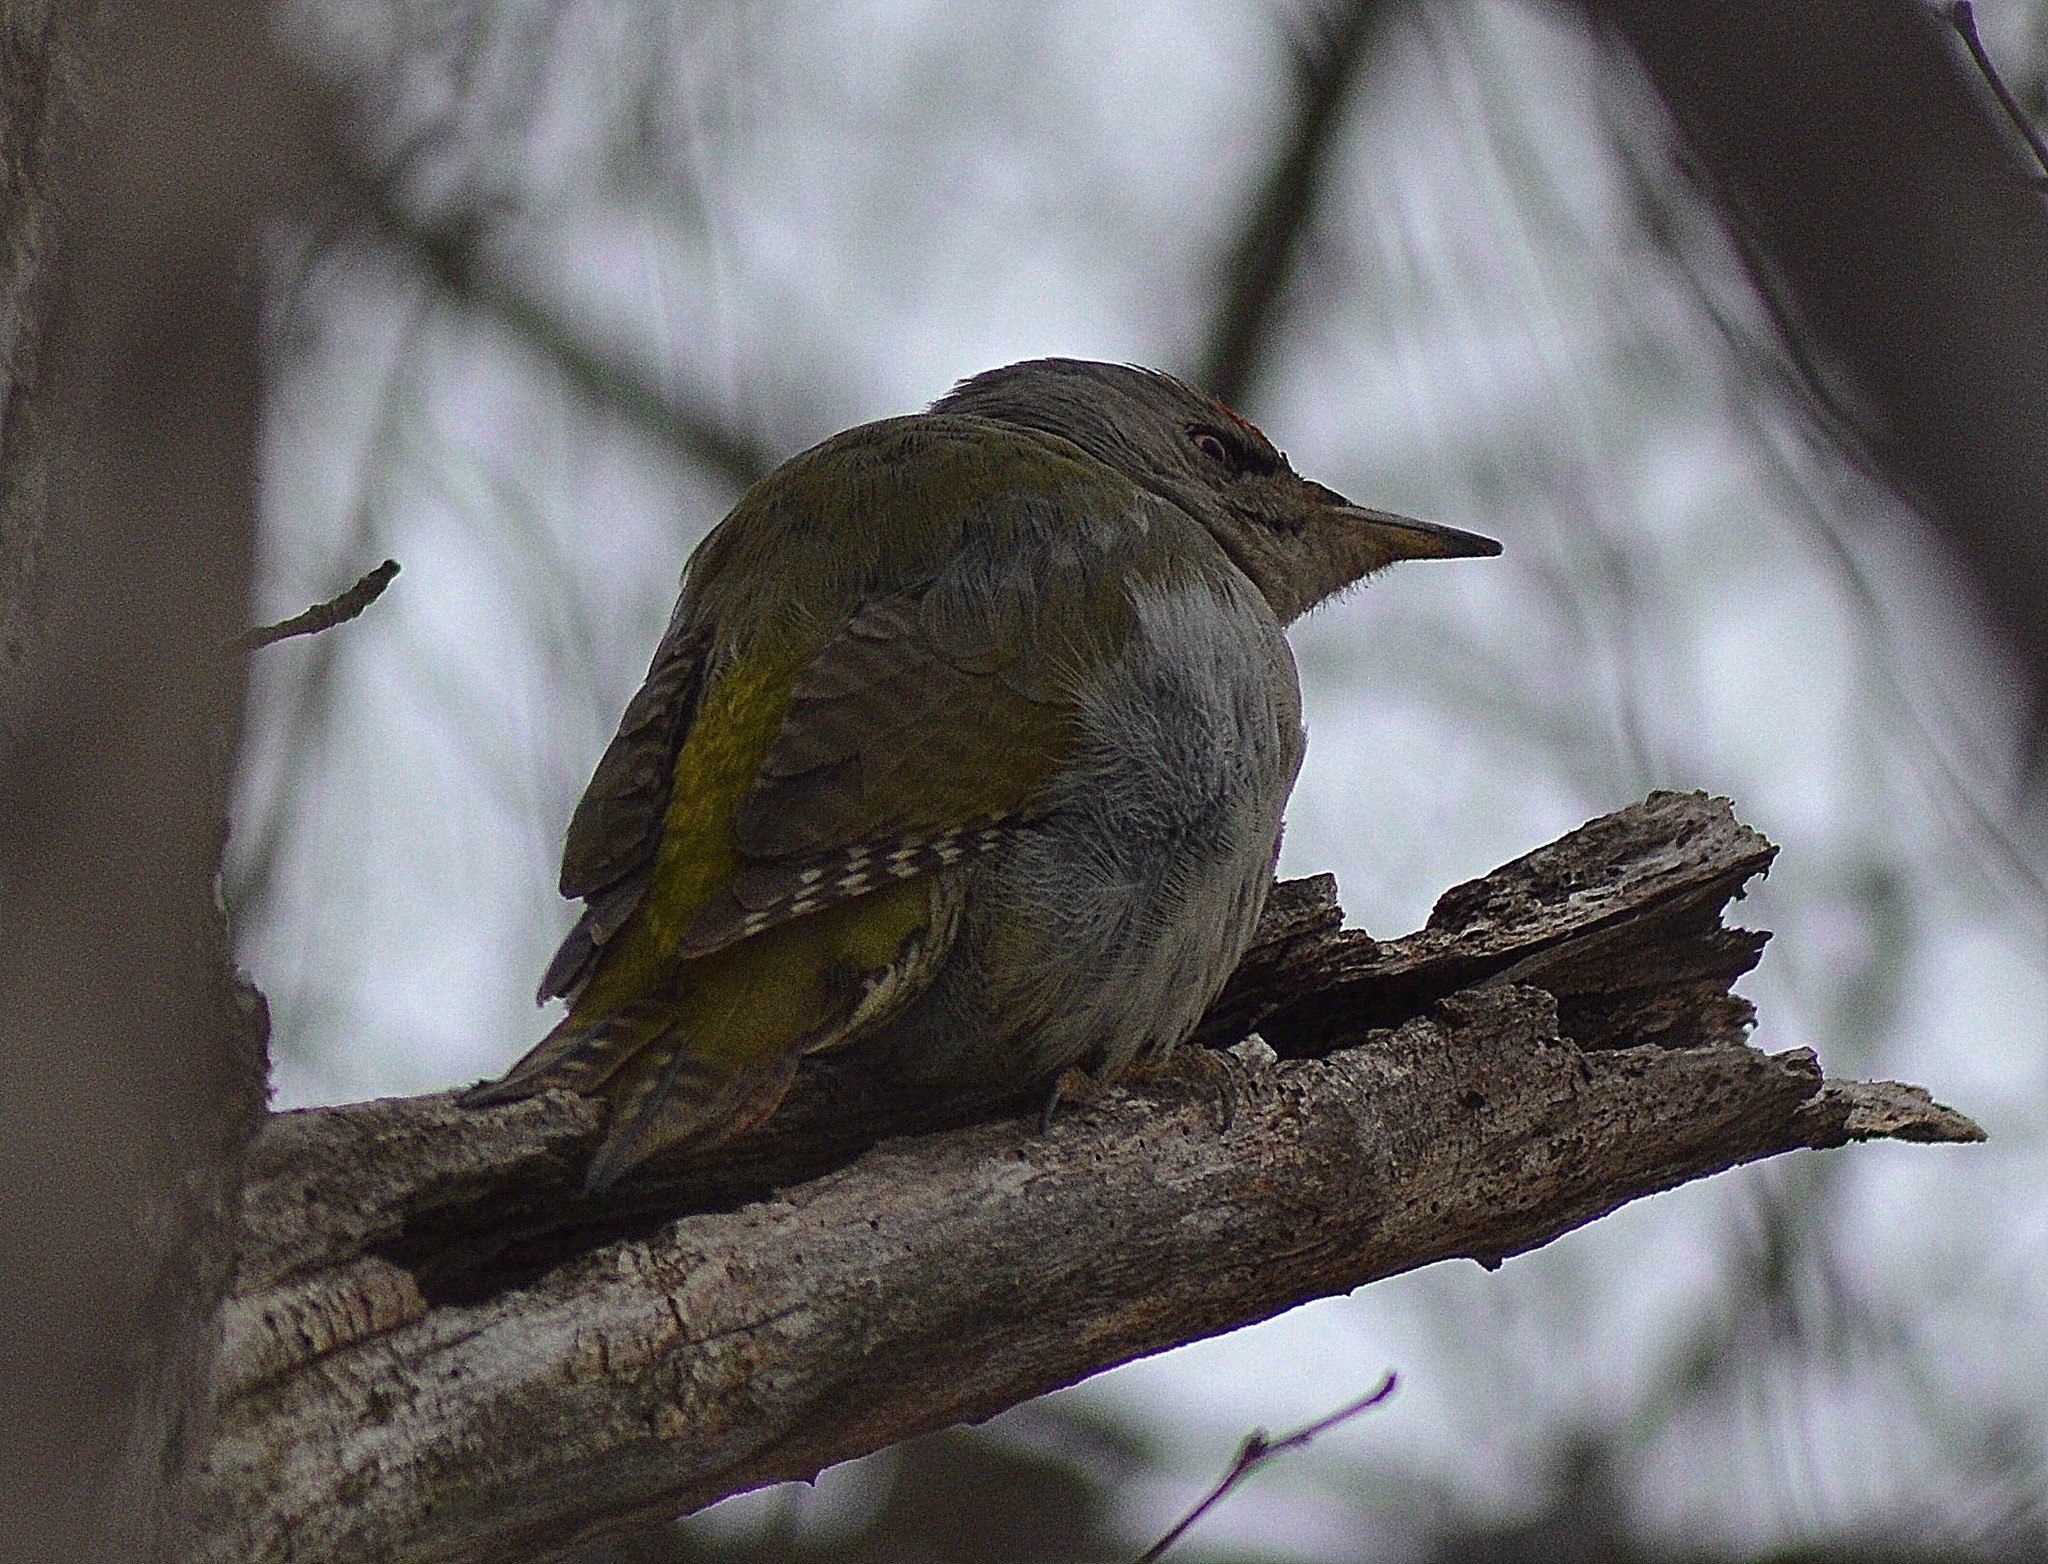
<point x="616" y="826"/>
<point x="608" y="858"/>
<point x="920" y="732"/>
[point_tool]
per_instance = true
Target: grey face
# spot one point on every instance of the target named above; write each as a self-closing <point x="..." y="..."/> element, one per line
<point x="1297" y="540"/>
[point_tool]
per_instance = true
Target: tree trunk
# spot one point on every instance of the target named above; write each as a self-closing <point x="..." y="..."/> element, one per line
<point x="131" y="1060"/>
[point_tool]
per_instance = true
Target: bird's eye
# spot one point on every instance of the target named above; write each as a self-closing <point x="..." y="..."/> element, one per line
<point x="1211" y="445"/>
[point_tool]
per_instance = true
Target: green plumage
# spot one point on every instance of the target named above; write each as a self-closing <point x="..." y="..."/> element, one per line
<point x="850" y="697"/>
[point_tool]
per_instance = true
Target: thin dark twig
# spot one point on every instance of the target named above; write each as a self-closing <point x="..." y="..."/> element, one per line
<point x="1963" y="17"/>
<point x="1255" y="1452"/>
<point x="450" y="253"/>
<point x="322" y="616"/>
<point x="1260" y="263"/>
<point x="305" y="722"/>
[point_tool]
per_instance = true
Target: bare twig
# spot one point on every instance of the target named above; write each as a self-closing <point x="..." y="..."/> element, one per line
<point x="322" y="616"/>
<point x="1963" y="17"/>
<point x="300" y="731"/>
<point x="1255" y="1452"/>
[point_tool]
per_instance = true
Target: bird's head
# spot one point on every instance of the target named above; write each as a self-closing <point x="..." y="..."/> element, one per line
<point x="1298" y="541"/>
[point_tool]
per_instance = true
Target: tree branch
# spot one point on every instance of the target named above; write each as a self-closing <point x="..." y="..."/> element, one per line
<point x="439" y="1350"/>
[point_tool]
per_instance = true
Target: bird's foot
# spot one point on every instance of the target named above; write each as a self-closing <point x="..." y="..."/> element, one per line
<point x="1074" y="1085"/>
<point x="1192" y="1065"/>
<point x="1197" y="1066"/>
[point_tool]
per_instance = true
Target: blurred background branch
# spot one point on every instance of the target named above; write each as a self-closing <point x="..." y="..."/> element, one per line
<point x="1895" y="231"/>
<point x="1330" y="50"/>
<point x="452" y="254"/>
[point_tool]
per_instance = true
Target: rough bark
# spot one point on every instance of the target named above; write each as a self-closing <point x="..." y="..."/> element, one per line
<point x="38" y="63"/>
<point x="131" y="1062"/>
<point x="439" y="1350"/>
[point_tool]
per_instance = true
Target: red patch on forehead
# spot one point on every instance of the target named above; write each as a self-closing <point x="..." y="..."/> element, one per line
<point x="1242" y="422"/>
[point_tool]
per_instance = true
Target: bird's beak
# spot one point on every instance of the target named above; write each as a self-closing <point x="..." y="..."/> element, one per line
<point x="1406" y="538"/>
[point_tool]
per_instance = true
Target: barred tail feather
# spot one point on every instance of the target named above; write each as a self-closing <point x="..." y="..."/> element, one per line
<point x="662" y="1092"/>
<point x="668" y="1094"/>
<point x="576" y="1056"/>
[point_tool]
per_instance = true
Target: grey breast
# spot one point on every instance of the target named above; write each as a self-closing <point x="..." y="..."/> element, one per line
<point x="1102" y="932"/>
